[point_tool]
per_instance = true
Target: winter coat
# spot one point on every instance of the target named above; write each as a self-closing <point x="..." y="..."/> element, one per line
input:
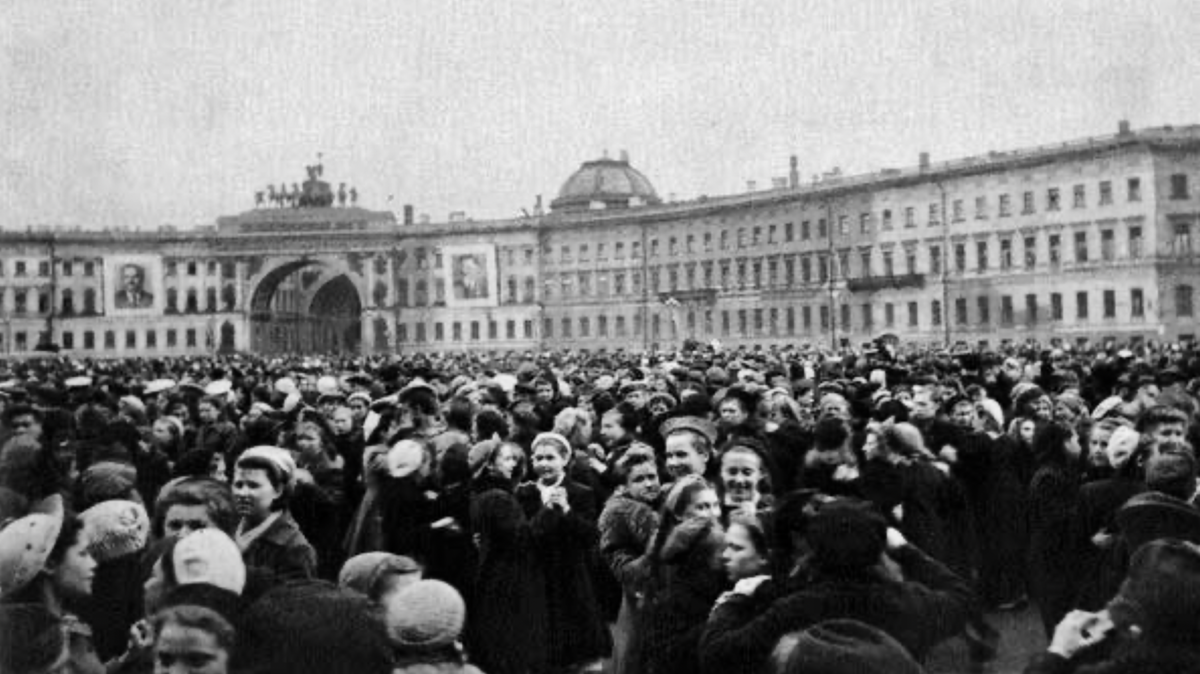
<point x="626" y="528"/>
<point x="1053" y="544"/>
<point x="283" y="550"/>
<point x="932" y="604"/>
<point x="567" y="544"/>
<point x="506" y="632"/>
<point x="1136" y="657"/>
<point x="1099" y="502"/>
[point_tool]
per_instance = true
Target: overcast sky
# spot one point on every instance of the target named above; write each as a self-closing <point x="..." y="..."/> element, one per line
<point x="143" y="112"/>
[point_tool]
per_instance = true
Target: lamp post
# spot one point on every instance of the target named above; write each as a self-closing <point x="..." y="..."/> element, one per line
<point x="944" y="266"/>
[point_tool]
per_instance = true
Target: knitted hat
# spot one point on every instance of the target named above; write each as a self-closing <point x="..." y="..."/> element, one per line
<point x="106" y="480"/>
<point x="847" y="535"/>
<point x="1106" y="407"/>
<point x="281" y="459"/>
<point x="117" y="528"/>
<point x="362" y="573"/>
<point x="1161" y="593"/>
<point x="25" y="545"/>
<point x="993" y="409"/>
<point x="32" y="639"/>
<point x="425" y="615"/>
<point x="209" y="556"/>
<point x="1121" y="445"/>
<point x="844" y="647"/>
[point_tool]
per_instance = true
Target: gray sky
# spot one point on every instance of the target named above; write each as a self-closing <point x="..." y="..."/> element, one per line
<point x="143" y="112"/>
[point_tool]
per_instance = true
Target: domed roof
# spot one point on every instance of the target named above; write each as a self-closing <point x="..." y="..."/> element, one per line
<point x="605" y="183"/>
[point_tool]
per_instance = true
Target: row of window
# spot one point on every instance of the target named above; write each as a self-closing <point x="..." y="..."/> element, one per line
<point x="419" y="333"/>
<point x="192" y="268"/>
<point x="67" y="306"/>
<point x="87" y="339"/>
<point x="87" y="268"/>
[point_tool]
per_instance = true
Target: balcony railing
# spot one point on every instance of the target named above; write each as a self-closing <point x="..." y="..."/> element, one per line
<point x="872" y="284"/>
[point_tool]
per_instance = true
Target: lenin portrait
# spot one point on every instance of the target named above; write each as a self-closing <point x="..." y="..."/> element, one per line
<point x="133" y="293"/>
<point x="470" y="277"/>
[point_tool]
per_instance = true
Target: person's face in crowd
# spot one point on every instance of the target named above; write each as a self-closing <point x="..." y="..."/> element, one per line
<point x="1027" y="429"/>
<point x="637" y="398"/>
<point x="548" y="463"/>
<point x="741" y="471"/>
<point x="732" y="413"/>
<point x="682" y="457"/>
<point x="26" y="424"/>
<point x="73" y="575"/>
<point x="359" y="409"/>
<point x="208" y="413"/>
<point x="923" y="405"/>
<point x="643" y="483"/>
<point x="1097" y="444"/>
<point x="253" y="494"/>
<point x="308" y="443"/>
<point x="659" y="407"/>
<point x="217" y="469"/>
<point x="327" y="409"/>
<point x="506" y="461"/>
<point x="1168" y="431"/>
<point x="903" y="396"/>
<point x="1074" y="449"/>
<point x="342" y="421"/>
<point x="806" y="398"/>
<point x="182" y="520"/>
<point x="162" y="433"/>
<point x="545" y="392"/>
<point x="180" y="649"/>
<point x="1042" y="409"/>
<point x="1065" y="414"/>
<point x="611" y="430"/>
<point x="406" y="417"/>
<point x="963" y="415"/>
<point x="704" y="504"/>
<point x="583" y="431"/>
<point x="181" y="412"/>
<point x="1148" y="394"/>
<point x="740" y="556"/>
<point x="834" y="405"/>
<point x="872" y="448"/>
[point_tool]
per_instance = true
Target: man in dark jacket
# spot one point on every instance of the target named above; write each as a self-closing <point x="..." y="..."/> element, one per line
<point x="850" y="580"/>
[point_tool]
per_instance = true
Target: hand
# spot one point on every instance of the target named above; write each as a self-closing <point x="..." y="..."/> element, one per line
<point x="598" y="465"/>
<point x="895" y="539"/>
<point x="898" y="512"/>
<point x="748" y="586"/>
<point x="845" y="473"/>
<point x="303" y="476"/>
<point x="949" y="454"/>
<point x="1102" y="539"/>
<point x="1079" y="630"/>
<point x="597" y="451"/>
<point x="141" y="638"/>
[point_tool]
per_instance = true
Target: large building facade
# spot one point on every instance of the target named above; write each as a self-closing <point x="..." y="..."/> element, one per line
<point x="1085" y="241"/>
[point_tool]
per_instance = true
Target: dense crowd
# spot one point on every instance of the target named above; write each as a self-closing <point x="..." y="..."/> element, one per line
<point x="701" y="511"/>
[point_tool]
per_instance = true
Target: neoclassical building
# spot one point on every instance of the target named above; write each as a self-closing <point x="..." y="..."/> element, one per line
<point x="1084" y="241"/>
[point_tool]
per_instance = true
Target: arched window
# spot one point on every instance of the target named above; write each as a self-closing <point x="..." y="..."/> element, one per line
<point x="530" y="289"/>
<point x="229" y="298"/>
<point x="380" y="293"/>
<point x="402" y="292"/>
<point x="210" y="297"/>
<point x="68" y="302"/>
<point x="172" y="301"/>
<point x="193" y="301"/>
<point x="511" y="298"/>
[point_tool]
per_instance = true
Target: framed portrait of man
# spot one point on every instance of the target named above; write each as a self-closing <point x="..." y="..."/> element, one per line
<point x="470" y="273"/>
<point x="132" y="284"/>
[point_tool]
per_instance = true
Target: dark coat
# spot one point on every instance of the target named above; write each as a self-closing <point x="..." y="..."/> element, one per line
<point x="1002" y="527"/>
<point x="932" y="604"/>
<point x="283" y="550"/>
<point x="1130" y="658"/>
<point x="626" y="528"/>
<point x="1053" y="542"/>
<point x="505" y="634"/>
<point x="1099" y="502"/>
<point x="567" y="545"/>
<point x="674" y="624"/>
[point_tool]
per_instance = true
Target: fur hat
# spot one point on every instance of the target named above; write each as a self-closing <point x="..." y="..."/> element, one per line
<point x="107" y="480"/>
<point x="425" y="615"/>
<point x="25" y="545"/>
<point x="362" y="573"/>
<point x="211" y="557"/>
<point x="843" y="647"/>
<point x="117" y="528"/>
<point x="1121" y="445"/>
<point x="847" y="536"/>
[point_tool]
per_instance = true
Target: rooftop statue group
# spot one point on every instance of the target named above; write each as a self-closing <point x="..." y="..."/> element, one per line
<point x="316" y="193"/>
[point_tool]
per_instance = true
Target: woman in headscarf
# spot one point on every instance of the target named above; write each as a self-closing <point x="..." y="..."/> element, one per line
<point x="267" y="535"/>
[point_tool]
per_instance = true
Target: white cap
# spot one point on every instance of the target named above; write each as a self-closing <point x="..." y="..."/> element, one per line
<point x="218" y="388"/>
<point x="78" y="382"/>
<point x="285" y="385"/>
<point x="159" y="385"/>
<point x="404" y="458"/>
<point x="210" y="556"/>
<point x="328" y="384"/>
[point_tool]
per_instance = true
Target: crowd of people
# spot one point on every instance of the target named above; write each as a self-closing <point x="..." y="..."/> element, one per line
<point x="715" y="511"/>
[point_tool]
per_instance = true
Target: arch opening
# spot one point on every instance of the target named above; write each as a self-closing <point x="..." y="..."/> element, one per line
<point x="306" y="307"/>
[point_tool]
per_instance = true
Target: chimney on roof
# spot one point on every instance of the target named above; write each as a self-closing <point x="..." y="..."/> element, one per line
<point x="923" y="161"/>
<point x="408" y="214"/>
<point x="1123" y="127"/>
<point x="537" y="205"/>
<point x="794" y="173"/>
<point x="624" y="157"/>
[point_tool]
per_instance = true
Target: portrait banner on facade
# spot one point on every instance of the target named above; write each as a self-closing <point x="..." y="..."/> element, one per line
<point x="133" y="285"/>
<point x="470" y="273"/>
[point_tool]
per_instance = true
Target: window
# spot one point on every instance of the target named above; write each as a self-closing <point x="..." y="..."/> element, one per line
<point x="910" y="217"/>
<point x="190" y="337"/>
<point x="960" y="310"/>
<point x="635" y="250"/>
<point x="1183" y="239"/>
<point x="868" y="319"/>
<point x="43" y="303"/>
<point x="1056" y="307"/>
<point x="402" y="333"/>
<point x="1006" y="254"/>
<point x="191" y="268"/>
<point x="865" y="262"/>
<point x="548" y="328"/>
<point x="475" y="330"/>
<point x="210" y="300"/>
<point x="822" y="228"/>
<point x="1110" y="304"/>
<point x="790" y="320"/>
<point x="151" y="339"/>
<point x="20" y="302"/>
<point x="725" y="323"/>
<point x="22" y="342"/>
<point x="89" y="340"/>
<point x="602" y="326"/>
<point x="984" y="309"/>
<point x="1031" y="309"/>
<point x="1105" y="192"/>
<point x="822" y="268"/>
<point x="1081" y="247"/>
<point x="789" y="233"/>
<point x="439" y="291"/>
<point x="439" y="332"/>
<point x="805" y="231"/>
<point x="528" y="327"/>
<point x="566" y="328"/>
<point x="958" y="210"/>
<point x="960" y="257"/>
<point x="864" y="223"/>
<point x="935" y="311"/>
<point x="68" y="268"/>
<point x="68" y="302"/>
<point x="1183" y="300"/>
<point x="1135" y="242"/>
<point x="806" y="269"/>
<point x="756" y="237"/>
<point x="89" y="269"/>
<point x="772" y="272"/>
<point x="19" y="269"/>
<point x="981" y="255"/>
<point x="889" y="264"/>
<point x="1006" y="310"/>
<point x="935" y="215"/>
<point x="1081" y="305"/>
<point x="1027" y="203"/>
<point x="741" y="238"/>
<point x="43" y="269"/>
<point x="691" y="240"/>
<point x="620" y="326"/>
<point x="824" y="316"/>
<point x="1107" y="243"/>
<point x="1052" y="199"/>
<point x="584" y="254"/>
<point x="1005" y="205"/>
<point x="843" y="225"/>
<point x="1079" y="197"/>
<point x="68" y="340"/>
<point x="585" y="326"/>
<point x="619" y="250"/>
<point x="1179" y="186"/>
<point x="843" y="269"/>
<point x="1134" y="189"/>
<point x="910" y="261"/>
<point x="1055" y="249"/>
<point x="806" y="317"/>
<point x="172" y="338"/>
<point x="193" y="302"/>
<point x="789" y="272"/>
<point x="889" y="315"/>
<point x="980" y="208"/>
<point x="456" y="331"/>
<point x="1137" y="303"/>
<point x="887" y="219"/>
<point x="912" y="315"/>
<point x="845" y="312"/>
